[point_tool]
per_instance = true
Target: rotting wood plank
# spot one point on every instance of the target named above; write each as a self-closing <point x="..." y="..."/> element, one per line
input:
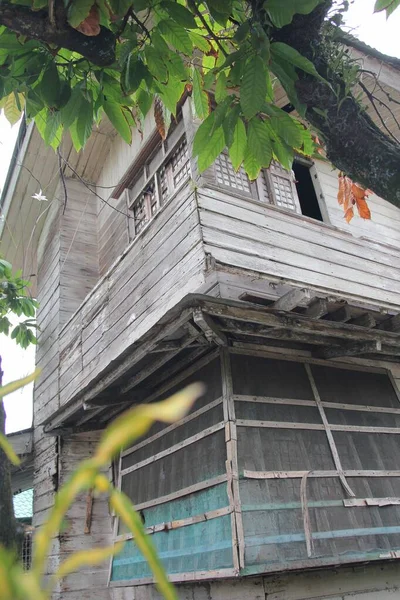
<point x="292" y="299"/>
<point x="170" y="428"/>
<point x="202" y="485"/>
<point x="239" y="312"/>
<point x="353" y="349"/>
<point x="391" y="324"/>
<point x="172" y="449"/>
<point x="169" y="525"/>
<point x="341" y="315"/>
<point x="328" y="431"/>
<point x="210" y="329"/>
<point x="317" y="308"/>
<point x="364" y="320"/>
<point x="296" y="402"/>
<point x="248" y="474"/>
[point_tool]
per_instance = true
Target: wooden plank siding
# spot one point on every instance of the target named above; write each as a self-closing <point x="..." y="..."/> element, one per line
<point x="245" y="234"/>
<point x="156" y="271"/>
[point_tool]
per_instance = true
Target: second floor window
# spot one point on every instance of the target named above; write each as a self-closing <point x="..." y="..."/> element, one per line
<point x="165" y="171"/>
<point x="291" y="190"/>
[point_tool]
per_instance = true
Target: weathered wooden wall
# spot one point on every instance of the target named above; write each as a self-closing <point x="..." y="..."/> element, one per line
<point x="112" y="214"/>
<point x="384" y="226"/>
<point x="67" y="259"/>
<point x="91" y="582"/>
<point x="156" y="271"/>
<point x="245" y="235"/>
<point x="361" y="583"/>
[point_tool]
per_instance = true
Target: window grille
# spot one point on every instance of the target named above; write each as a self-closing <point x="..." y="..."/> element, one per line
<point x="26" y="549"/>
<point x="163" y="175"/>
<point x="275" y="185"/>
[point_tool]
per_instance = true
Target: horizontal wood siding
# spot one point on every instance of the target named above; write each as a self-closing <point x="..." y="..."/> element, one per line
<point x="158" y="269"/>
<point x="112" y="213"/>
<point x="384" y="226"/>
<point x="247" y="235"/>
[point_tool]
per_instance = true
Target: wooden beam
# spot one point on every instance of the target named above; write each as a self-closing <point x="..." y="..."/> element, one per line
<point x="364" y="320"/>
<point x="251" y="329"/>
<point x="391" y="324"/>
<point x="211" y="331"/>
<point x="291" y="299"/>
<point x="295" y="322"/>
<point x="317" y="308"/>
<point x="354" y="349"/>
<point x="341" y="315"/>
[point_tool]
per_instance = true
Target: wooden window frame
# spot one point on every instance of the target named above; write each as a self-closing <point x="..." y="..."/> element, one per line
<point x="160" y="158"/>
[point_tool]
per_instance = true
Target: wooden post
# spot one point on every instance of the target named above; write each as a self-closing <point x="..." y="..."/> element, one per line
<point x="232" y="462"/>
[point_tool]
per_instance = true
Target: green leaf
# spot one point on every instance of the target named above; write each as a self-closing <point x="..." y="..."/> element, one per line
<point x="176" y="67"/>
<point x="49" y="86"/>
<point x="70" y="111"/>
<point x="253" y="89"/>
<point x="176" y="35"/>
<point x="238" y="146"/>
<point x="84" y="122"/>
<point x="287" y="128"/>
<point x="132" y="75"/>
<point x="220" y="88"/>
<point x="281" y="12"/>
<point x="287" y="76"/>
<point x="156" y="64"/>
<point x="53" y="122"/>
<point x="171" y="93"/>
<point x="144" y="100"/>
<point x="259" y="141"/>
<point x="12" y="111"/>
<point x="388" y="5"/>
<point x="287" y="53"/>
<point x="250" y="164"/>
<point x="208" y="143"/>
<point x="115" y="113"/>
<point x="229" y="124"/>
<point x="180" y="14"/>
<point x="78" y="11"/>
<point x="200" y="42"/>
<point x="200" y="98"/>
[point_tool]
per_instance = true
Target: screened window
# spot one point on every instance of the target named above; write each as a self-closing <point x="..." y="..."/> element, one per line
<point x="290" y="190"/>
<point x="281" y="465"/>
<point x="318" y="451"/>
<point x="165" y="171"/>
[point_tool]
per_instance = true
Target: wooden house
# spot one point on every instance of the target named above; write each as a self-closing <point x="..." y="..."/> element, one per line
<point x="283" y="483"/>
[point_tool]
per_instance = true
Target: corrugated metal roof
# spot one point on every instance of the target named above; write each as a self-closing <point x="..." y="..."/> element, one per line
<point x="23" y="504"/>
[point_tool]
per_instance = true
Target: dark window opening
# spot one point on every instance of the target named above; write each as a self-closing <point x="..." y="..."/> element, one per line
<point x="306" y="192"/>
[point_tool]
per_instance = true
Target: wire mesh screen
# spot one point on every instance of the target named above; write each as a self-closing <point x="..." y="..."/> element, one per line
<point x="174" y="478"/>
<point x="295" y="509"/>
<point x="26" y="549"/>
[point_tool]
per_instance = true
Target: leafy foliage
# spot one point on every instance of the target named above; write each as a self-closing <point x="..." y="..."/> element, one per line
<point x="17" y="584"/>
<point x="163" y="50"/>
<point x="14" y="300"/>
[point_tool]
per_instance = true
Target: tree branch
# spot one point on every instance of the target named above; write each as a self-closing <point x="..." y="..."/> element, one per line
<point x="99" y="49"/>
<point x="354" y="143"/>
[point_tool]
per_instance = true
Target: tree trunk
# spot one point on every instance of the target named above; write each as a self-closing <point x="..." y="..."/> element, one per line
<point x="8" y="529"/>
<point x="353" y="142"/>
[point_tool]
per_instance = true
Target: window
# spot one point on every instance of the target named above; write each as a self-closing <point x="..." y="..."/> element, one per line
<point x="164" y="172"/>
<point x="261" y="479"/>
<point x="291" y="190"/>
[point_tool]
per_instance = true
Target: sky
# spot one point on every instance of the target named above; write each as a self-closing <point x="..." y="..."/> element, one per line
<point x="371" y="28"/>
